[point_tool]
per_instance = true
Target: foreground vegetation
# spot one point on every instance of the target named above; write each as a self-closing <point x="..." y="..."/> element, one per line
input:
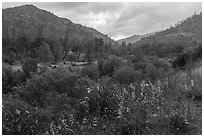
<point x="110" y="97"/>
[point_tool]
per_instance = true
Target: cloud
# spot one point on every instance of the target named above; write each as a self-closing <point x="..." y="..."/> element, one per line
<point x="121" y="19"/>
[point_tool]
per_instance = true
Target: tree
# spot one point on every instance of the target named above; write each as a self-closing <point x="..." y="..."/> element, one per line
<point x="56" y="48"/>
<point x="70" y="37"/>
<point x="99" y="46"/>
<point x="138" y="55"/>
<point x="152" y="72"/>
<point x="127" y="75"/>
<point x="36" y="43"/>
<point x="110" y="65"/>
<point x="44" y="54"/>
<point x="22" y="45"/>
<point x="77" y="46"/>
<point x="146" y="48"/>
<point x="30" y="65"/>
<point x="123" y="48"/>
<point x="89" y="48"/>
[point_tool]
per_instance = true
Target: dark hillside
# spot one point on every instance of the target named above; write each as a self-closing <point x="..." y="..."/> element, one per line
<point x="187" y="31"/>
<point x="32" y="22"/>
<point x="184" y="36"/>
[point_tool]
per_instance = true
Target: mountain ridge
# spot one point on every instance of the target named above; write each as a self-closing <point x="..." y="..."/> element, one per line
<point x="189" y="29"/>
<point x="134" y="38"/>
<point x="30" y="21"/>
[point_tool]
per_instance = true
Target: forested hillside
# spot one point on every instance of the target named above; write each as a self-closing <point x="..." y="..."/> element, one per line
<point x="183" y="35"/>
<point x="25" y="25"/>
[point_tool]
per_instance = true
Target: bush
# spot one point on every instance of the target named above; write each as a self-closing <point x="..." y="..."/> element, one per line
<point x="197" y="54"/>
<point x="59" y="81"/>
<point x="100" y="66"/>
<point x="30" y="65"/>
<point x="127" y="75"/>
<point x="159" y="63"/>
<point x="7" y="78"/>
<point x="19" y="77"/>
<point x="11" y="78"/>
<point x="101" y="104"/>
<point x="140" y="66"/>
<point x="152" y="72"/>
<point x="91" y="72"/>
<point x="107" y="103"/>
<point x="110" y="65"/>
<point x="178" y="125"/>
<point x="61" y="103"/>
<point x="181" y="60"/>
<point x="19" y="118"/>
<point x="136" y="58"/>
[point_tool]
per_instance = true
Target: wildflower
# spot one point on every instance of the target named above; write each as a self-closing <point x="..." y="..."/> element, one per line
<point x="27" y="112"/>
<point x="97" y="86"/>
<point x="192" y="83"/>
<point x="17" y="111"/>
<point x="88" y="90"/>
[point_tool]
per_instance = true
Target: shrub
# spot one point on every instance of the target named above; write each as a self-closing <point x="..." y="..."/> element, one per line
<point x="102" y="104"/>
<point x="178" y="125"/>
<point x="44" y="54"/>
<point x="52" y="82"/>
<point x="7" y="78"/>
<point x="136" y="58"/>
<point x="11" y="78"/>
<point x="111" y="64"/>
<point x="61" y="103"/>
<point x="42" y="69"/>
<point x="19" y="118"/>
<point x="100" y="66"/>
<point x="19" y="77"/>
<point x="30" y="65"/>
<point x="91" y="72"/>
<point x="159" y="63"/>
<point x="134" y="122"/>
<point x="197" y="53"/>
<point x="127" y="75"/>
<point x="152" y="72"/>
<point x="140" y="66"/>
<point x="181" y="60"/>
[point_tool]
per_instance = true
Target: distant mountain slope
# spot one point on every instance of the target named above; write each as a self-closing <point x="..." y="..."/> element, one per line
<point x="133" y="39"/>
<point x="186" y="32"/>
<point x="32" y="22"/>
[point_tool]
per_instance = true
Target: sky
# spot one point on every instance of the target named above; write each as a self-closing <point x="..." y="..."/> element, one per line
<point x="120" y="19"/>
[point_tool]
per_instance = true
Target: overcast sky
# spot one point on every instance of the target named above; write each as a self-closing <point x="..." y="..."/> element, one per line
<point x="120" y="20"/>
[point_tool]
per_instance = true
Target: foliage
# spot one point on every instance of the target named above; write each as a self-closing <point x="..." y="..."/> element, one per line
<point x="30" y="65"/>
<point x="91" y="72"/>
<point x="100" y="66"/>
<point x="111" y="64"/>
<point x="127" y="75"/>
<point x="56" y="48"/>
<point x="101" y="103"/>
<point x="19" y="118"/>
<point x="178" y="125"/>
<point x="7" y="78"/>
<point x="44" y="54"/>
<point x="140" y="66"/>
<point x="181" y="61"/>
<point x="11" y="78"/>
<point x="152" y="72"/>
<point x="161" y="64"/>
<point x="41" y="89"/>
